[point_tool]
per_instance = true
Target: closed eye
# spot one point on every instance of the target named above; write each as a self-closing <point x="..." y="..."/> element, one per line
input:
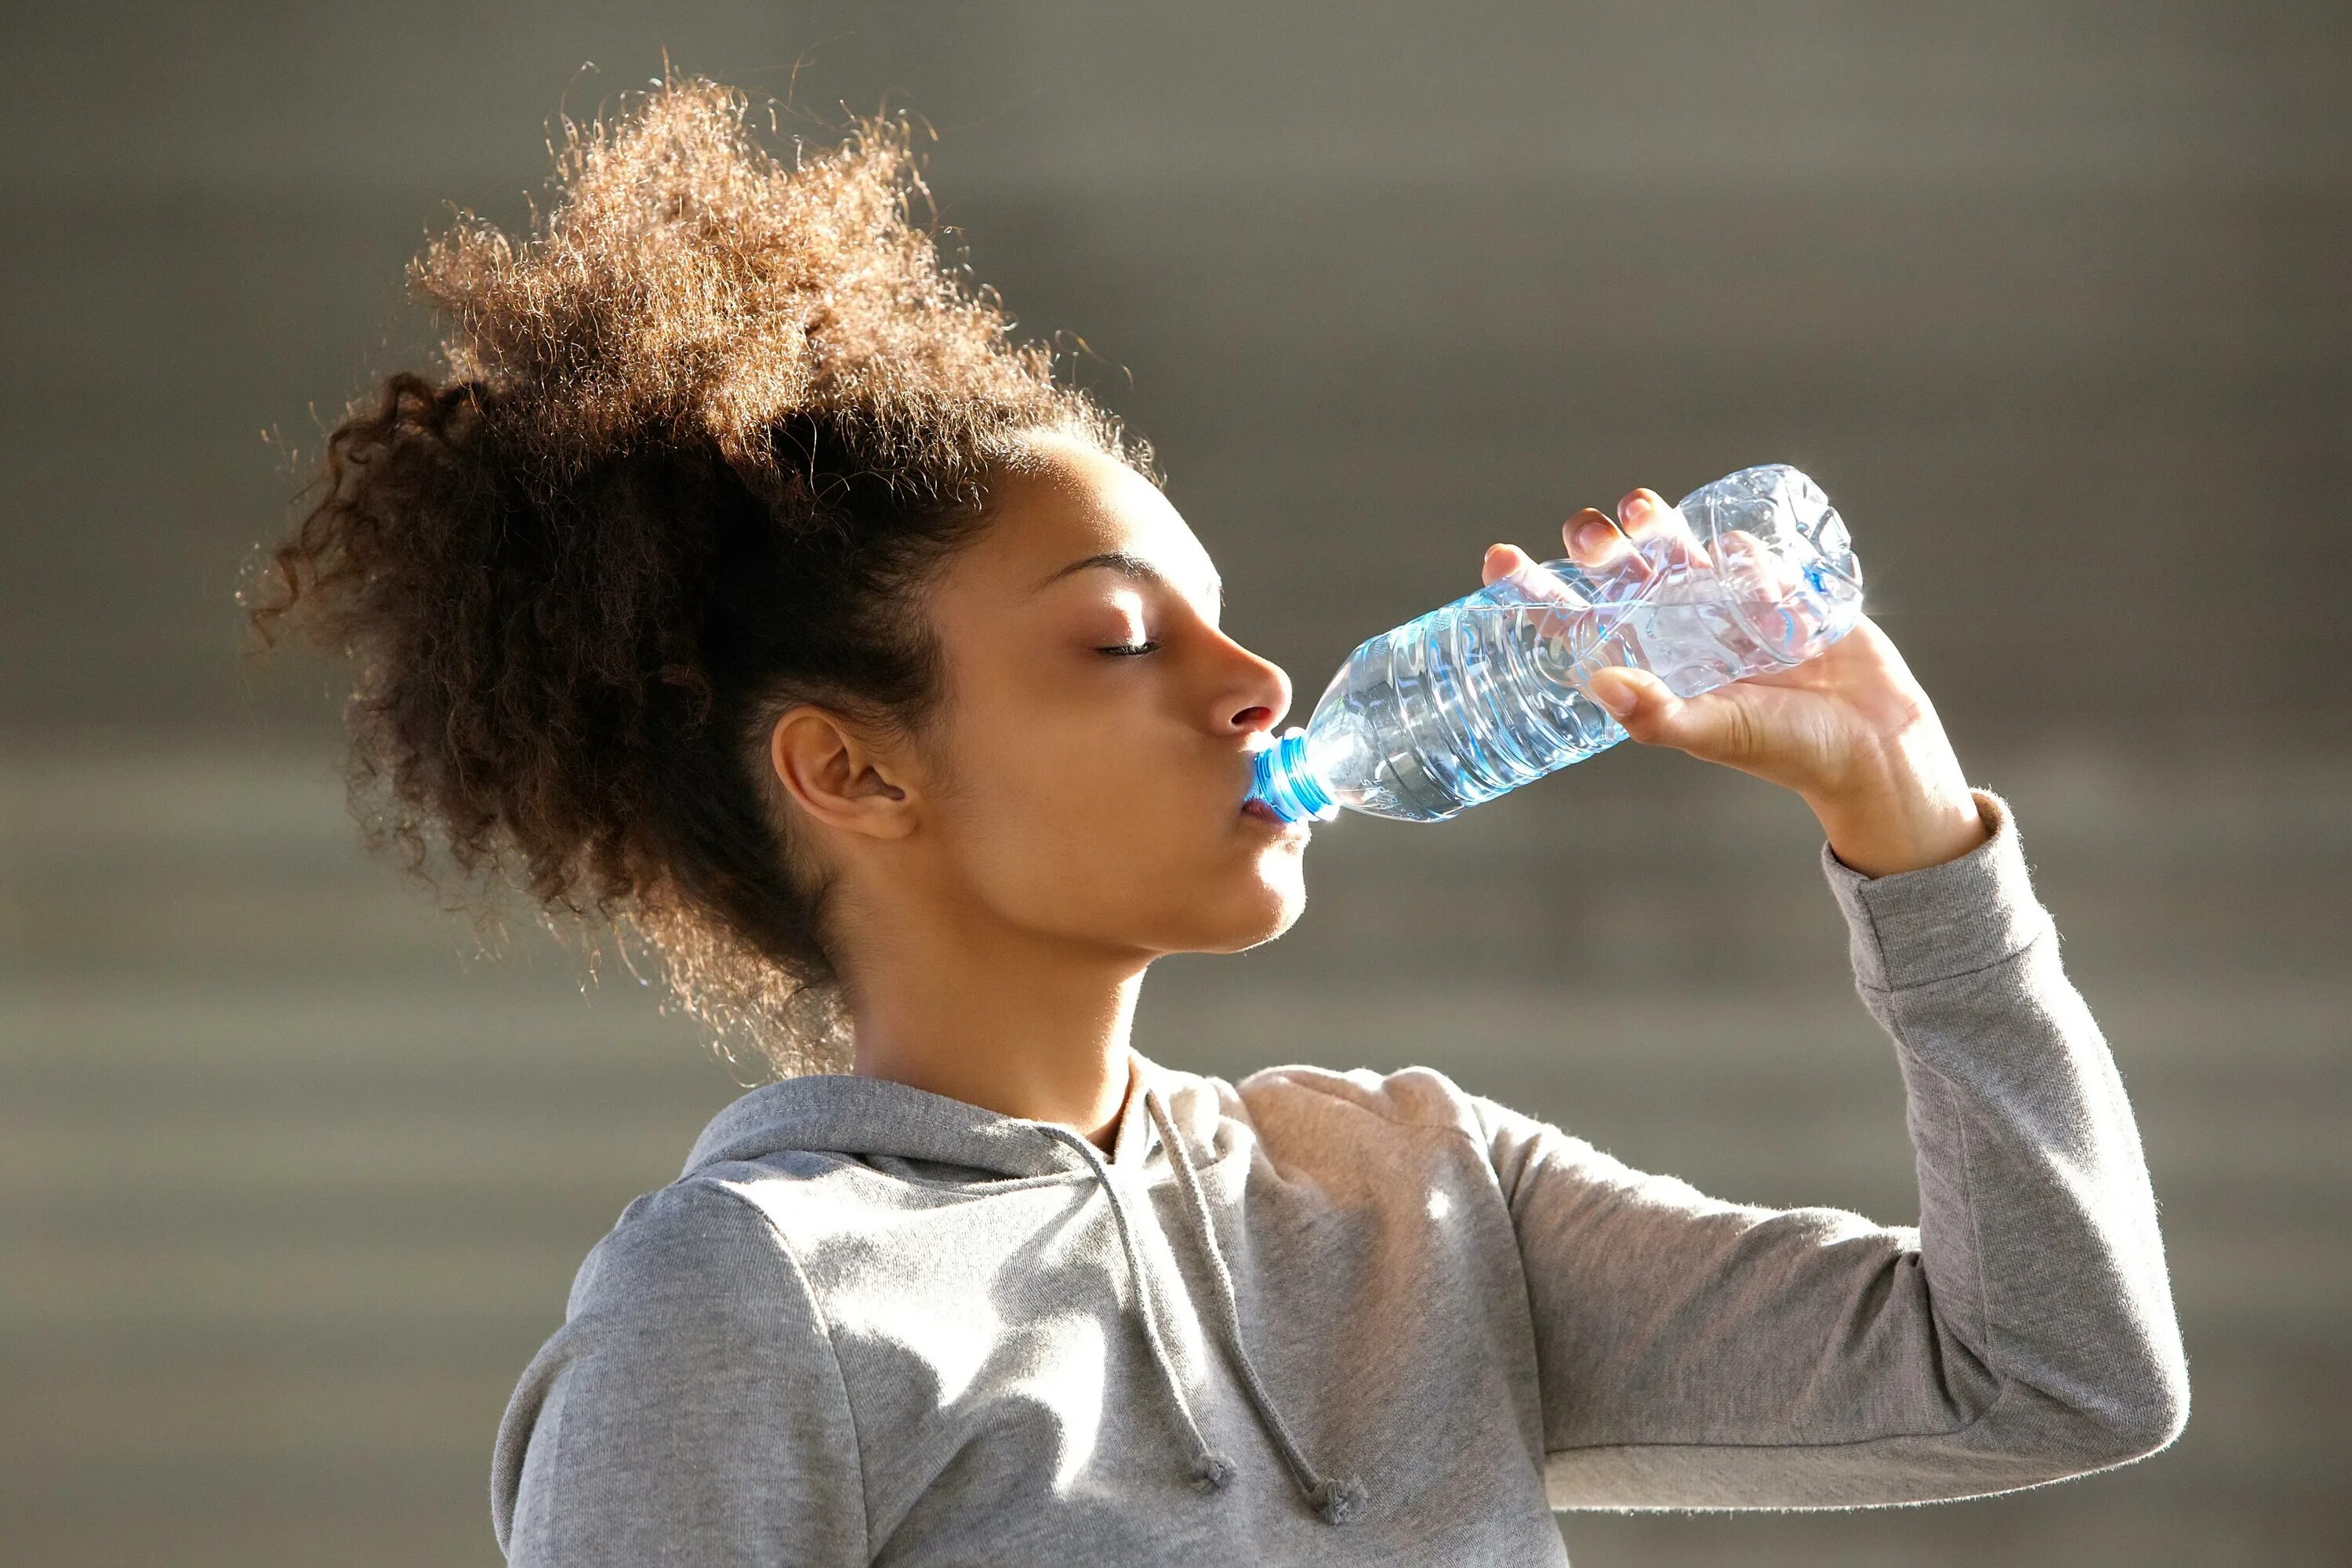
<point x="1129" y="649"/>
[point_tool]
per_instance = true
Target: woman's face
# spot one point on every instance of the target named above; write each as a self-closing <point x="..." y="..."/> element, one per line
<point x="1086" y="774"/>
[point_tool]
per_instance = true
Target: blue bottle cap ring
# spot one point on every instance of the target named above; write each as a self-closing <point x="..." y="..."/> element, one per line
<point x="1287" y="783"/>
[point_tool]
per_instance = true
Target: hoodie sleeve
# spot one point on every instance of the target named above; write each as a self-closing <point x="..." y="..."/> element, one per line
<point x="1696" y="1353"/>
<point x="689" y="1411"/>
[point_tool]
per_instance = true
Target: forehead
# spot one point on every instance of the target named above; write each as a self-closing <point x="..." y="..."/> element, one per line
<point x="1074" y="502"/>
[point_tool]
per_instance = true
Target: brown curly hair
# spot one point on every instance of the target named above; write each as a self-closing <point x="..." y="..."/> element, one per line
<point x="702" y="435"/>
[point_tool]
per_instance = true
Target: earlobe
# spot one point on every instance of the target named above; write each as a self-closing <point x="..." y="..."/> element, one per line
<point x="835" y="774"/>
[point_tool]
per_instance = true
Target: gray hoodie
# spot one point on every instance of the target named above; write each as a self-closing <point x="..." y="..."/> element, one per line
<point x="1347" y="1317"/>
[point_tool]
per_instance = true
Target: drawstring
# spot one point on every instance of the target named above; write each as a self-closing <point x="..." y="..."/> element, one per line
<point x="1338" y="1499"/>
<point x="1335" y="1501"/>
<point x="1211" y="1470"/>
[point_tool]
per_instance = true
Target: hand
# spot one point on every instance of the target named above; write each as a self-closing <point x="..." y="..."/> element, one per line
<point x="1850" y="730"/>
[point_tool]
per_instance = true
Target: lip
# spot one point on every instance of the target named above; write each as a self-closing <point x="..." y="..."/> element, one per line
<point x="1258" y="811"/>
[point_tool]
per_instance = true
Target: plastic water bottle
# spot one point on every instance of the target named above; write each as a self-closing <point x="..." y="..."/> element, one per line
<point x="1488" y="693"/>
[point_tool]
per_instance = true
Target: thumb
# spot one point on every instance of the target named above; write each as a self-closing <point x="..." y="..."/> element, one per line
<point x="1708" y="727"/>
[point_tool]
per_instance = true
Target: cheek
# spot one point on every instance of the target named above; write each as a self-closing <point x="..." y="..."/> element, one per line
<point x="1080" y="820"/>
<point x="1062" y="809"/>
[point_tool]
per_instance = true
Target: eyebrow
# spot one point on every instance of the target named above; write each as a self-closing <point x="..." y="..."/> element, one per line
<point x="1128" y="564"/>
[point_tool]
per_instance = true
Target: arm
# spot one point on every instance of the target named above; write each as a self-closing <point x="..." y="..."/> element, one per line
<point x="1696" y="1353"/>
<point x="689" y="1411"/>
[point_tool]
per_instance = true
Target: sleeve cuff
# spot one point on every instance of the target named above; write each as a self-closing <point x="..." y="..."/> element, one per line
<point x="1915" y="928"/>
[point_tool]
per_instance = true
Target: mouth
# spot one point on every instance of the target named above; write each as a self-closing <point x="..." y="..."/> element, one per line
<point x="1258" y="809"/>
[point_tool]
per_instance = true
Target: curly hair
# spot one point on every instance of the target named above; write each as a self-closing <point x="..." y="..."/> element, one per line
<point x="702" y="436"/>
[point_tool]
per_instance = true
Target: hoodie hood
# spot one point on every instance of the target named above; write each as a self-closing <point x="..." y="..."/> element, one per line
<point x="876" y="1120"/>
<point x="1166" y="1119"/>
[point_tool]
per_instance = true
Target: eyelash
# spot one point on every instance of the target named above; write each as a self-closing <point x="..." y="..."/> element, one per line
<point x="1129" y="650"/>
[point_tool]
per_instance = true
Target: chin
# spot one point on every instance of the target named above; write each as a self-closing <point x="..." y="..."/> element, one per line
<point x="1269" y="906"/>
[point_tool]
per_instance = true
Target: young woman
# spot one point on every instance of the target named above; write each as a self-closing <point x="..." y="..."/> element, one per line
<point x="742" y="584"/>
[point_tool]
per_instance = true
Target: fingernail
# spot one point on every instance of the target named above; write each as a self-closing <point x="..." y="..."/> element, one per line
<point x="1591" y="533"/>
<point x="1633" y="506"/>
<point x="1617" y="696"/>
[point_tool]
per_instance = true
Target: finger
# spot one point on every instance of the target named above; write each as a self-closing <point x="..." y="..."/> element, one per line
<point x="1742" y="552"/>
<point x="1534" y="580"/>
<point x="1719" y="727"/>
<point x="1594" y="541"/>
<point x="1661" y="531"/>
<point x="1501" y="561"/>
<point x="1571" y="622"/>
<point x="1642" y="511"/>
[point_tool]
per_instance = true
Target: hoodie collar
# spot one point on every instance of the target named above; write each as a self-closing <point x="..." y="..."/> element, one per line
<point x="843" y="1113"/>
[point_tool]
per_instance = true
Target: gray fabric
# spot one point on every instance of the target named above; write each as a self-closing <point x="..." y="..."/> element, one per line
<point x="1325" y="1316"/>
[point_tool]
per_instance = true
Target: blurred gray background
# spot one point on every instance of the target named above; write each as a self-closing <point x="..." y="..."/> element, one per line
<point x="2051" y="298"/>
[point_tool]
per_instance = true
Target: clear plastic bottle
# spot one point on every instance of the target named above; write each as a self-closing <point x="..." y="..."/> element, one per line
<point x="1488" y="692"/>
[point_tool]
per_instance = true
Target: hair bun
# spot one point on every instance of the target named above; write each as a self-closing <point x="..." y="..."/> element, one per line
<point x="681" y="283"/>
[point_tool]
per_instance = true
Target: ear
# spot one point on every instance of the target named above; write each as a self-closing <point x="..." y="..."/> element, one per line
<point x="836" y="773"/>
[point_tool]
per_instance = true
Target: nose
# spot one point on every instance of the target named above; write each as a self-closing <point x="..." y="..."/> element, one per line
<point x="1257" y="696"/>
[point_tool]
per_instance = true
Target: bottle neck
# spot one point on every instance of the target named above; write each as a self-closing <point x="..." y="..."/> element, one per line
<point x="1287" y="783"/>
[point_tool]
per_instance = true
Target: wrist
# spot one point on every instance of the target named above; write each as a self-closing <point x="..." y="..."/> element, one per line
<point x="1907" y="811"/>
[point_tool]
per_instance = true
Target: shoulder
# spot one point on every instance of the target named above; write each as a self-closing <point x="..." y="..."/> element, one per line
<point x="698" y="1258"/>
<point x="1309" y="1110"/>
<point x="691" y="1393"/>
<point x="1360" y="1100"/>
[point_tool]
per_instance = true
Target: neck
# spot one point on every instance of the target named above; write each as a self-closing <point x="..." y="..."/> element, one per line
<point x="994" y="1017"/>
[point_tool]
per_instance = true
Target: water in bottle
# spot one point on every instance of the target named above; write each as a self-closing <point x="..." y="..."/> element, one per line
<point x="1488" y="692"/>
